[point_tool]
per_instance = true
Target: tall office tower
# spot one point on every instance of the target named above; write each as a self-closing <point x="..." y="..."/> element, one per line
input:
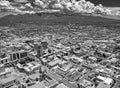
<point x="23" y="54"/>
<point x="39" y="50"/>
<point x="13" y="57"/>
<point x="44" y="45"/>
<point x="17" y="55"/>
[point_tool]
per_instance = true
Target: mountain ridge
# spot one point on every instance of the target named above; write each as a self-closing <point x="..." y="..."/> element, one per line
<point x="43" y="18"/>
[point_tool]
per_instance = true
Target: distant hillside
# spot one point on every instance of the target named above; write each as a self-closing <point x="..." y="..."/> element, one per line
<point x="56" y="18"/>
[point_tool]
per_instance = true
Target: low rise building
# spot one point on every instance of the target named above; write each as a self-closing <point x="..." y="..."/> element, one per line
<point x="105" y="71"/>
<point x="61" y="86"/>
<point x="87" y="84"/>
<point x="7" y="82"/>
<point x="51" y="83"/>
<point x="5" y="60"/>
<point x="28" y="68"/>
<point x="103" y="85"/>
<point x="21" y="1"/>
<point x="34" y="76"/>
<point x="38" y="85"/>
<point x="13" y="57"/>
<point x="66" y="67"/>
<point x="54" y="62"/>
<point x="4" y="71"/>
<point x="77" y="58"/>
<point x="106" y="80"/>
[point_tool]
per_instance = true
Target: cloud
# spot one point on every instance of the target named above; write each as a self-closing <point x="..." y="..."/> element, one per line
<point x="118" y="13"/>
<point x="40" y="3"/>
<point x="28" y="5"/>
<point x="58" y="6"/>
<point x="4" y="3"/>
<point x="77" y="6"/>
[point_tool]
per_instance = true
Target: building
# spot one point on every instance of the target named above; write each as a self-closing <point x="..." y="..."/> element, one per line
<point x="77" y="58"/>
<point x="2" y="55"/>
<point x="21" y="1"/>
<point x="4" y="71"/>
<point x="103" y="41"/>
<point x="105" y="71"/>
<point x="39" y="50"/>
<point x="61" y="86"/>
<point x="51" y="83"/>
<point x="5" y="60"/>
<point x="7" y="82"/>
<point x="103" y="85"/>
<point x="34" y="76"/>
<point x="44" y="45"/>
<point x="66" y="67"/>
<point x="17" y="56"/>
<point x="54" y="62"/>
<point x="87" y="84"/>
<point x="28" y="68"/>
<point x="23" y="54"/>
<point x="38" y="85"/>
<point x="106" y="80"/>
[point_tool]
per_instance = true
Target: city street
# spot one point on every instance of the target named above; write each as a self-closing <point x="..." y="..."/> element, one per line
<point x="58" y="78"/>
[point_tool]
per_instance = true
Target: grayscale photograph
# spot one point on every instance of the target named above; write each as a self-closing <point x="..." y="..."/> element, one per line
<point x="59" y="43"/>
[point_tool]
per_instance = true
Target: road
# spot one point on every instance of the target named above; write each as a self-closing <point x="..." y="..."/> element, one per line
<point x="66" y="82"/>
<point x="58" y="78"/>
<point x="85" y="76"/>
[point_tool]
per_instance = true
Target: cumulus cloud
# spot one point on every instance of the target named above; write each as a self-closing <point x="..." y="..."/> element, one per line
<point x="40" y="3"/>
<point x="58" y="6"/>
<point x="28" y="5"/>
<point x="4" y="3"/>
<point x="77" y="6"/>
<point x="118" y="13"/>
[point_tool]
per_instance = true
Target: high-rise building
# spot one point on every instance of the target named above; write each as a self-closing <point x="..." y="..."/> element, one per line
<point x="39" y="50"/>
<point x="44" y="45"/>
<point x="14" y="57"/>
<point x="18" y="55"/>
<point x="23" y="54"/>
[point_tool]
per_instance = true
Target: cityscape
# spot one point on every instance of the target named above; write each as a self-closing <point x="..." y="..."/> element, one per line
<point x="54" y="48"/>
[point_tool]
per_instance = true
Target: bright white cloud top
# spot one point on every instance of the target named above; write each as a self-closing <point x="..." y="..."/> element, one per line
<point x="79" y="6"/>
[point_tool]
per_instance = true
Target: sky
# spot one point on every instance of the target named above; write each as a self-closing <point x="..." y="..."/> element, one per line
<point x="108" y="3"/>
